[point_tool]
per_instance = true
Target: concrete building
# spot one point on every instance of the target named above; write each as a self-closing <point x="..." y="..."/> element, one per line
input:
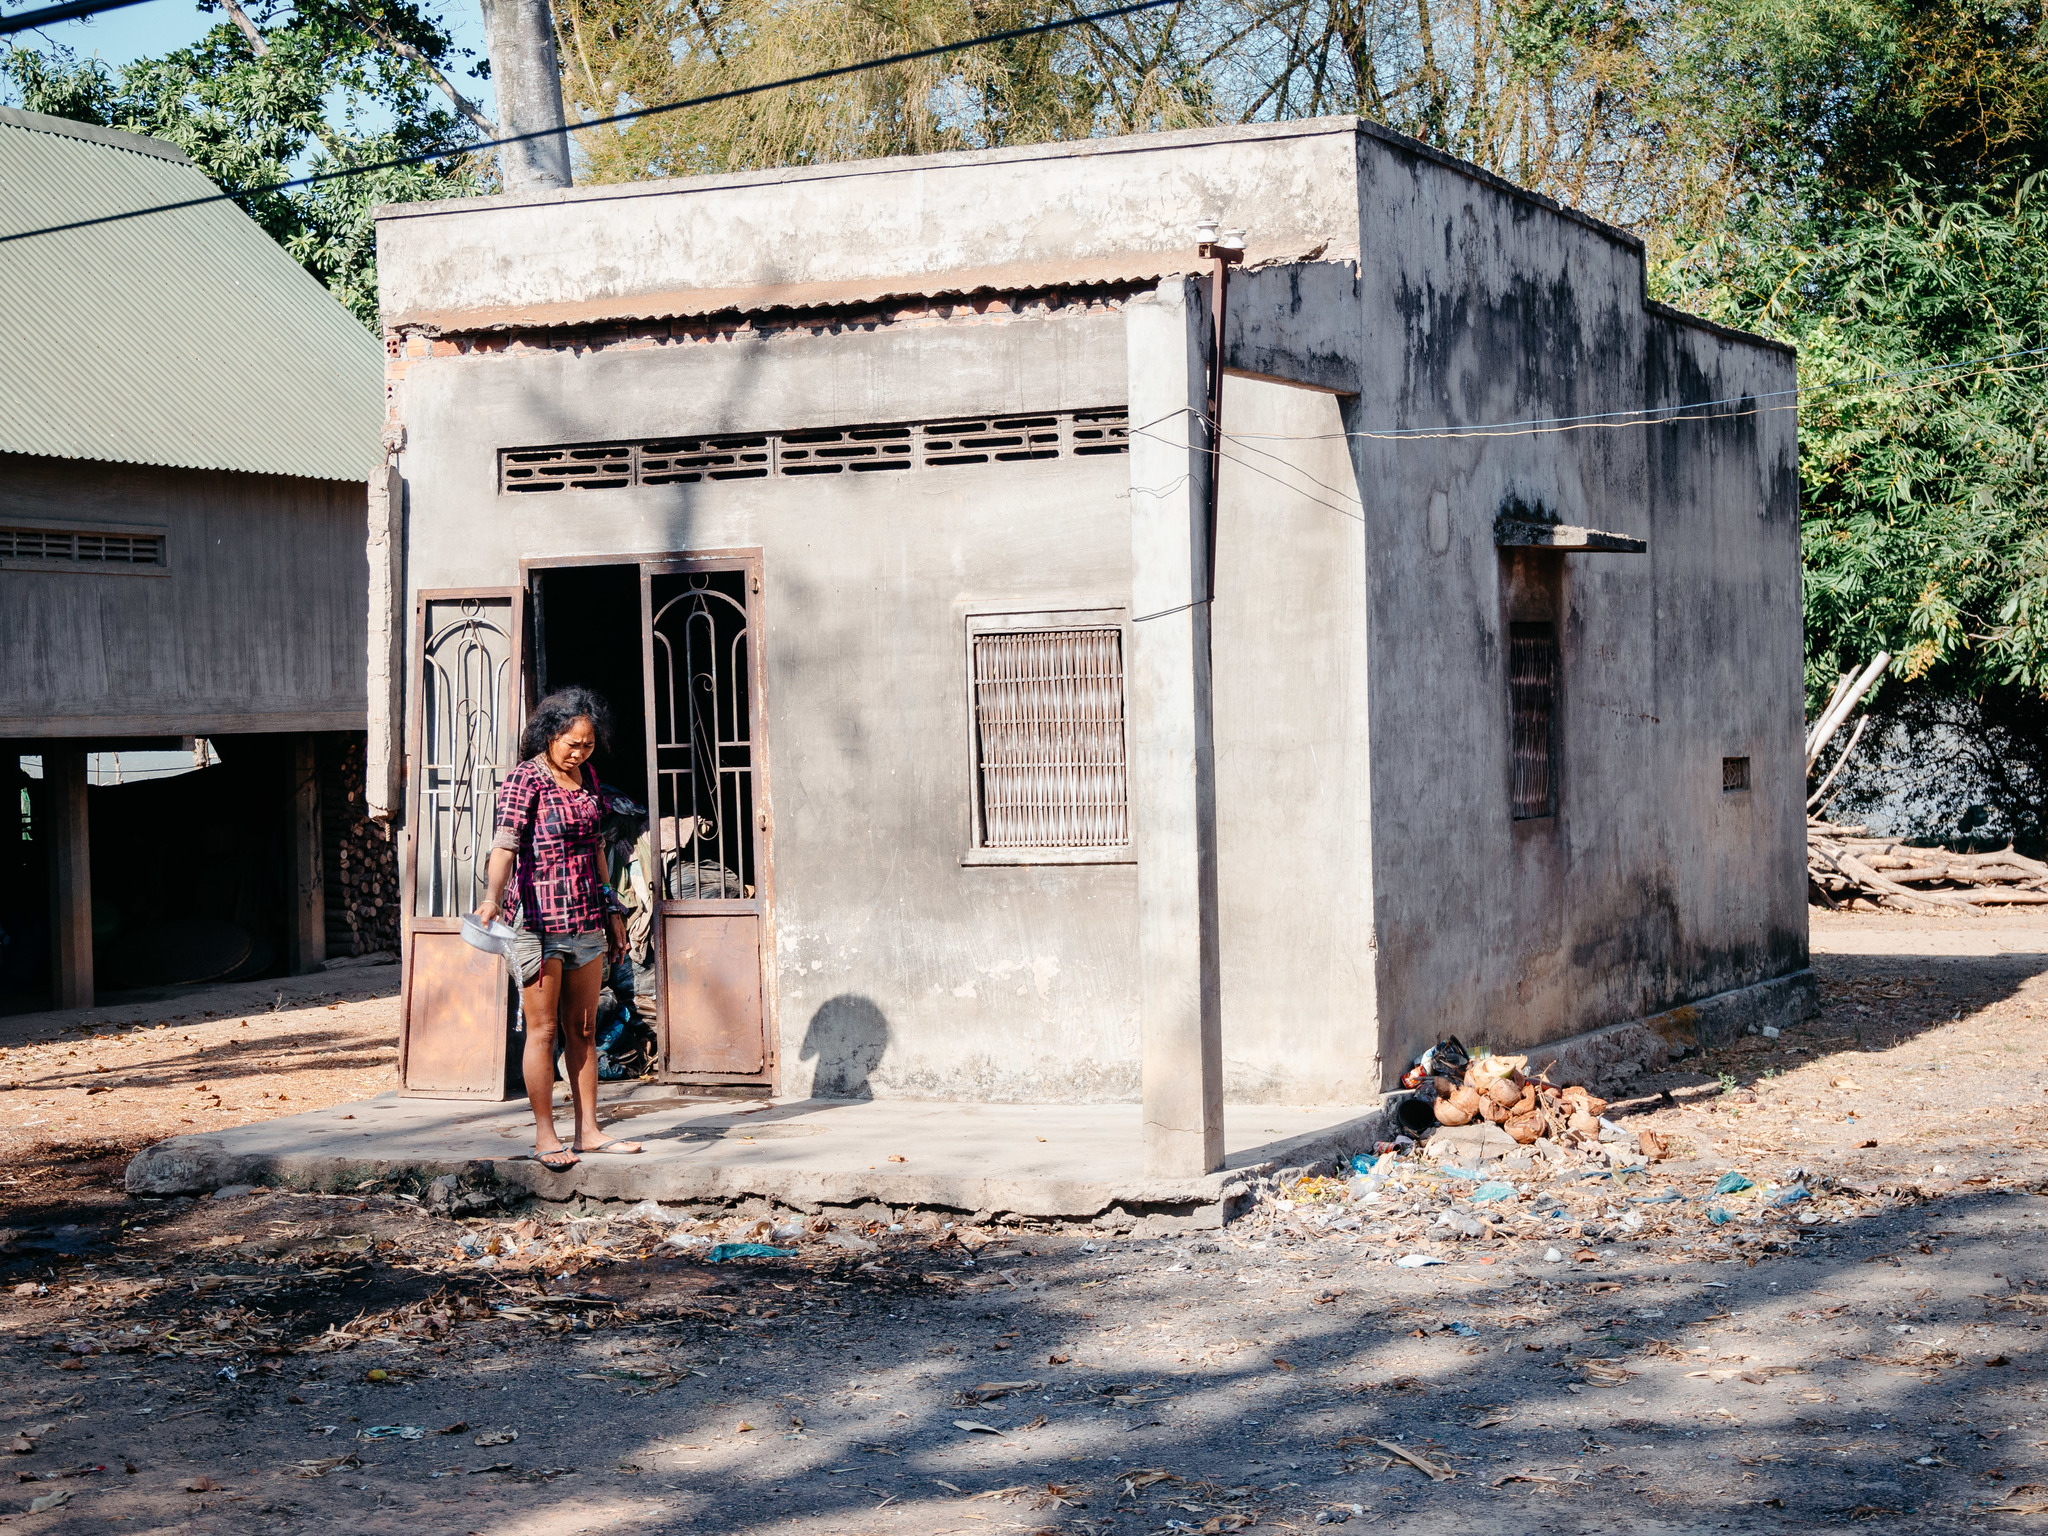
<point x="186" y="422"/>
<point x="877" y="499"/>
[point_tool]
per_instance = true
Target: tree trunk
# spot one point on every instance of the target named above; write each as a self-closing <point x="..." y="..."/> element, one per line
<point x="520" y="37"/>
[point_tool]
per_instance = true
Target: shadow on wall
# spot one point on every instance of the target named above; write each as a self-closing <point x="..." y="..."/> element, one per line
<point x="847" y="1038"/>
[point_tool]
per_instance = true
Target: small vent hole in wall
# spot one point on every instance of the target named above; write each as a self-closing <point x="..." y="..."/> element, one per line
<point x="1734" y="773"/>
<point x="857" y="450"/>
<point x="81" y="547"/>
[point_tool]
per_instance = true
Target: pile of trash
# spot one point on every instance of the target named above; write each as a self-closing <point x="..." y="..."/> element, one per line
<point x="1456" y="1087"/>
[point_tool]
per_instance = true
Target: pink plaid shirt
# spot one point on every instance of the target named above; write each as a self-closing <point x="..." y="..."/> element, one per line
<point x="552" y="835"/>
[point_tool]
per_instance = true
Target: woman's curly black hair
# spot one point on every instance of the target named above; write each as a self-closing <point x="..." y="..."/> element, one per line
<point x="560" y="710"/>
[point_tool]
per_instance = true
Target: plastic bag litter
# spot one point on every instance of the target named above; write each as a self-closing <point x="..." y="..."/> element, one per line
<point x="1493" y="1191"/>
<point x="724" y="1251"/>
<point x="1449" y="1058"/>
<point x="1733" y="1183"/>
<point x="1718" y="1217"/>
<point x="1793" y="1195"/>
<point x="651" y="1210"/>
<point x="392" y="1432"/>
<point x="1416" y="1260"/>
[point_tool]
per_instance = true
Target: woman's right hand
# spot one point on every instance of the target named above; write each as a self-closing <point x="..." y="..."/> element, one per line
<point x="486" y="912"/>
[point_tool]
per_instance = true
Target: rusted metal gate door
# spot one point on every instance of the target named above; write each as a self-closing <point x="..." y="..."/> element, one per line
<point x="465" y="738"/>
<point x="707" y="768"/>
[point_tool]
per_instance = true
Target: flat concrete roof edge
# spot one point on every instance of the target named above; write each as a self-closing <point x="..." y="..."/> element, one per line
<point x="1726" y="332"/>
<point x="1498" y="183"/>
<point x="837" y="170"/>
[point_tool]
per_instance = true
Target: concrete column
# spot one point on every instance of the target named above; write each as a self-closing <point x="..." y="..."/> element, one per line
<point x="70" y="855"/>
<point x="307" y="935"/>
<point x="384" y="750"/>
<point x="1167" y="717"/>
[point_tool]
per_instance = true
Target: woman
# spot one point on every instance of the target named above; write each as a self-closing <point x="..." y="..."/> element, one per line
<point x="565" y="917"/>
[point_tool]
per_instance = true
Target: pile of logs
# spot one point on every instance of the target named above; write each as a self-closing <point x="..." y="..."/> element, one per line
<point x="1845" y="863"/>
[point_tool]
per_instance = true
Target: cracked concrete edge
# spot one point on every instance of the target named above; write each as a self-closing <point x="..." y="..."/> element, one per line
<point x="198" y="1164"/>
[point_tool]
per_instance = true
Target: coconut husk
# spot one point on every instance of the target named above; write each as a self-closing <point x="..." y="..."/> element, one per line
<point x="1488" y="1070"/>
<point x="1585" y="1124"/>
<point x="1493" y="1111"/>
<point x="1448" y="1113"/>
<point x="1652" y="1146"/>
<point x="1467" y="1099"/>
<point x="1526" y="1128"/>
<point x="1580" y="1097"/>
<point x="1504" y="1092"/>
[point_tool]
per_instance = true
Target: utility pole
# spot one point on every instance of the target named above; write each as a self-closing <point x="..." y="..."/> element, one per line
<point x="520" y="37"/>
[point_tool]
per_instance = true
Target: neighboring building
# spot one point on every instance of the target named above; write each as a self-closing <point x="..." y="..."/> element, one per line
<point x="875" y="496"/>
<point x="186" y="422"/>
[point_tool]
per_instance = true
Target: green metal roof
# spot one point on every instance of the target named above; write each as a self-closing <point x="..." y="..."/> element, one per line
<point x="186" y="338"/>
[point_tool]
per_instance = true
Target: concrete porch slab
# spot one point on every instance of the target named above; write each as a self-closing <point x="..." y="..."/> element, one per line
<point x="1059" y="1161"/>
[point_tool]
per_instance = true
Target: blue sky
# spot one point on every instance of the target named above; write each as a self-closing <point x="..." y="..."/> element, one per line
<point x="157" y="26"/>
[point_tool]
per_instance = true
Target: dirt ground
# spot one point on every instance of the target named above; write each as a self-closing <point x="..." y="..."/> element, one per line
<point x="1822" y="1308"/>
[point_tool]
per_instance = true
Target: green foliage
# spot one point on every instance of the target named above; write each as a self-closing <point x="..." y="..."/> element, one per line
<point x="1125" y="77"/>
<point x="1893" y="229"/>
<point x="329" y="92"/>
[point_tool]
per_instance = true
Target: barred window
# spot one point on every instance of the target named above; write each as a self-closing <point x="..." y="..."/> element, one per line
<point x="1532" y="711"/>
<point x="1048" y="720"/>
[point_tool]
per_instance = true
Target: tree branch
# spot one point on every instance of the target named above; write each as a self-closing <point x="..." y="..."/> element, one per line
<point x="398" y="45"/>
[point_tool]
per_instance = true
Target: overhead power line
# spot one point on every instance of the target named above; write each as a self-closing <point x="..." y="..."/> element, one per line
<point x="835" y="72"/>
<point x="28" y="20"/>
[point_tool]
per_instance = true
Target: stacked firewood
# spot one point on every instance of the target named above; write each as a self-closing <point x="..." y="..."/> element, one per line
<point x="362" y="872"/>
<point x="1496" y="1088"/>
<point x="1847" y="863"/>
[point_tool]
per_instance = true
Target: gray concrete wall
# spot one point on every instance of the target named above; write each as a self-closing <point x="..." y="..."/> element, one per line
<point x="1292" y="763"/>
<point x="1367" y="863"/>
<point x="1649" y="887"/>
<point x="990" y="982"/>
<point x="255" y="625"/>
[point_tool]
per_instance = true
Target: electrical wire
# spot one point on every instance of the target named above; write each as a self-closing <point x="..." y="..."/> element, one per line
<point x="1654" y="415"/>
<point x="399" y="161"/>
<point x="49" y="14"/>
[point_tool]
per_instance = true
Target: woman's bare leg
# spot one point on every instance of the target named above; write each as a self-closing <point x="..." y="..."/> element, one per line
<point x="579" y="1039"/>
<point x="579" y="1042"/>
<point x="542" y="1006"/>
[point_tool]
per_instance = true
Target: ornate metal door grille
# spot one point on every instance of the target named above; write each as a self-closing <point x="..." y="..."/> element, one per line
<point x="1049" y="738"/>
<point x="703" y="735"/>
<point x="465" y="740"/>
<point x="1532" y="708"/>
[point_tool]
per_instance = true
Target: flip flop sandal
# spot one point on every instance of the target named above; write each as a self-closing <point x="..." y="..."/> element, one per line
<point x="607" y="1146"/>
<point x="543" y="1158"/>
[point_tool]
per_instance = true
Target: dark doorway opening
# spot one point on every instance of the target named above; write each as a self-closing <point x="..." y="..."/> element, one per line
<point x="586" y="634"/>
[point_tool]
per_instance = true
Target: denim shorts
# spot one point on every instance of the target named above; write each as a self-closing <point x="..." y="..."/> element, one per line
<point x="574" y="950"/>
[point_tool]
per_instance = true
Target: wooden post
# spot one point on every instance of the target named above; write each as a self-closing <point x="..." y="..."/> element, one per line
<point x="70" y="856"/>
<point x="308" y="936"/>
